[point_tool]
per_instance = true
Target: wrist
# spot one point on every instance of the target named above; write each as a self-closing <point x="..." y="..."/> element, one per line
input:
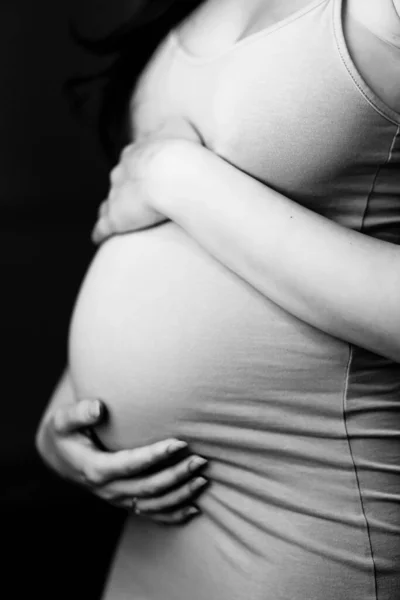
<point x="171" y="172"/>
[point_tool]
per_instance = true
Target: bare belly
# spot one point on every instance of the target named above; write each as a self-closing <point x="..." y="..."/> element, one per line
<point x="170" y="339"/>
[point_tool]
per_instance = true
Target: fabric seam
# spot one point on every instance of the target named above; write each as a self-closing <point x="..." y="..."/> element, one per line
<point x="365" y="93"/>
<point x="378" y="172"/>
<point x="344" y="410"/>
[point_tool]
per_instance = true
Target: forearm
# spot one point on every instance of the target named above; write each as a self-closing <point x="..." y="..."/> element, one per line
<point x="338" y="280"/>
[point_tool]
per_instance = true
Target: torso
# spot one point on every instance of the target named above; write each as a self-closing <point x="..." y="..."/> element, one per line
<point x="298" y="426"/>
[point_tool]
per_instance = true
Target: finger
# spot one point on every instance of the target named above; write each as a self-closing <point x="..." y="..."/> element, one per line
<point x="102" y="230"/>
<point x="172" y="500"/>
<point x="103" y="209"/>
<point x="168" y="478"/>
<point x="117" y="175"/>
<point x="74" y="417"/>
<point x="111" y="221"/>
<point x="178" y="517"/>
<point x="156" y="485"/>
<point x="110" y="466"/>
<point x="125" y="152"/>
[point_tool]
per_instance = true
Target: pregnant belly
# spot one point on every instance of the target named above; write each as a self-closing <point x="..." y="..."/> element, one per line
<point x="175" y="344"/>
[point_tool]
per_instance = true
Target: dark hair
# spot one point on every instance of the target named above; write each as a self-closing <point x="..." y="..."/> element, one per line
<point x="129" y="48"/>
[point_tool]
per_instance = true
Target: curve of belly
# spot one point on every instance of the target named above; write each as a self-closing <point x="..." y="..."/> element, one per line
<point x="177" y="345"/>
<point x="174" y="343"/>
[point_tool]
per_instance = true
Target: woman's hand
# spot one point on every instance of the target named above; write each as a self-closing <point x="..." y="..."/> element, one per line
<point x="139" y="177"/>
<point x="159" y="481"/>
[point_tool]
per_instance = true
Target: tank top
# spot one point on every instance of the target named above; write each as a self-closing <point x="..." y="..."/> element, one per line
<point x="306" y="501"/>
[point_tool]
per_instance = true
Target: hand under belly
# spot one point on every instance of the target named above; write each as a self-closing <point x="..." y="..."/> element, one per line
<point x="172" y="341"/>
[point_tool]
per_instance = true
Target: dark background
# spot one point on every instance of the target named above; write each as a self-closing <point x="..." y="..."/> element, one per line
<point x="56" y="540"/>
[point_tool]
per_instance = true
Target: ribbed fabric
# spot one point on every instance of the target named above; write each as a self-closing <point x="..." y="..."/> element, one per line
<point x="301" y="430"/>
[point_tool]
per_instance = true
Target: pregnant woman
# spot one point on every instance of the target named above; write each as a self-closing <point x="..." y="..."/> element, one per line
<point x="253" y="309"/>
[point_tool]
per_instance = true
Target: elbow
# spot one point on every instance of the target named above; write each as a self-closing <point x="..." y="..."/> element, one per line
<point x="394" y="354"/>
<point x="392" y="334"/>
<point x="388" y="345"/>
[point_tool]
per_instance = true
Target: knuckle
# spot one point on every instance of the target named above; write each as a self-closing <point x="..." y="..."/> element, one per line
<point x="60" y="417"/>
<point x="103" y="208"/>
<point x="149" y="489"/>
<point x="124" y="504"/>
<point x="184" y="469"/>
<point x="103" y="226"/>
<point x="128" y="464"/>
<point x="84" y="478"/>
<point x="178" y="474"/>
<point x="110" y="494"/>
<point x="115" y="174"/>
<point x="112" y="196"/>
<point x="147" y="457"/>
<point x="106" y="495"/>
<point x="124" y="193"/>
<point x="84" y="411"/>
<point x="126" y="152"/>
<point x="92" y="476"/>
<point x="57" y="420"/>
<point x="111" y="221"/>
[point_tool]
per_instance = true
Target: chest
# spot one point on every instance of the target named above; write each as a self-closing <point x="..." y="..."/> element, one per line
<point x="218" y="24"/>
<point x="280" y="103"/>
<point x="224" y="56"/>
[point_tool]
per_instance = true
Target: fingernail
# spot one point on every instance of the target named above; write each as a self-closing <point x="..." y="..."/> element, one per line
<point x="192" y="510"/>
<point x="175" y="446"/>
<point x="197" y="462"/>
<point x="95" y="409"/>
<point x="199" y="483"/>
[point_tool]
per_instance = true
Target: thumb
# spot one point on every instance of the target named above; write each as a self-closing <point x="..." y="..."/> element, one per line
<point x="73" y="417"/>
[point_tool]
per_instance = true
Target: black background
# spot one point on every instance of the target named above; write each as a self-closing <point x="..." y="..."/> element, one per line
<point x="56" y="541"/>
